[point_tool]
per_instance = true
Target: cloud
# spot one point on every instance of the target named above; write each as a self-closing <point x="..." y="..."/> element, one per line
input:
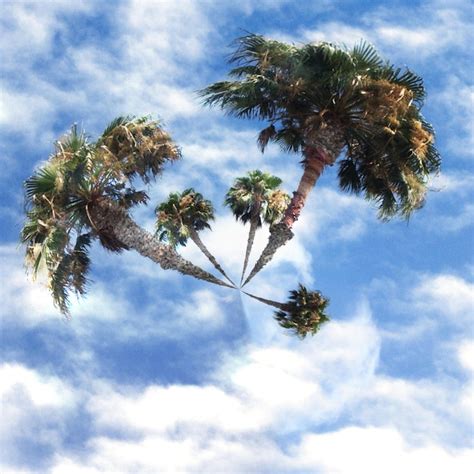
<point x="431" y="31"/>
<point x="29" y="303"/>
<point x="279" y="404"/>
<point x="447" y="295"/>
<point x="108" y="78"/>
<point x="35" y="407"/>
<point x="456" y="109"/>
<point x="466" y="355"/>
<point x="233" y="423"/>
<point x="375" y="450"/>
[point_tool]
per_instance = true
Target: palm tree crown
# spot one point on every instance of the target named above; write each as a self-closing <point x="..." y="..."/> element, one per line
<point x="336" y="99"/>
<point x="304" y="313"/>
<point x="62" y="195"/>
<point x="256" y="197"/>
<point x="182" y="213"/>
<point x="326" y="101"/>
<point x="181" y="217"/>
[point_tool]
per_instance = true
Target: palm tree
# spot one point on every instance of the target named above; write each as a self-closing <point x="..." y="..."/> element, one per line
<point x="303" y="313"/>
<point x="182" y="216"/>
<point x="326" y="101"/>
<point x="255" y="198"/>
<point x="84" y="192"/>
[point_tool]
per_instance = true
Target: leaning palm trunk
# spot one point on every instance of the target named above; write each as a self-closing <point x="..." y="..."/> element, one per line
<point x="275" y="304"/>
<point x="252" y="232"/>
<point x="109" y="218"/>
<point x="315" y="160"/>
<point x="197" y="240"/>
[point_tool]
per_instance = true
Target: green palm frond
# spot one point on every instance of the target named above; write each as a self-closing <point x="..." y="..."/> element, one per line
<point x="60" y="195"/>
<point x="180" y="213"/>
<point x="304" y="313"/>
<point x="116" y="122"/>
<point x="70" y="272"/>
<point x="365" y="56"/>
<point x="301" y="92"/>
<point x="248" y="198"/>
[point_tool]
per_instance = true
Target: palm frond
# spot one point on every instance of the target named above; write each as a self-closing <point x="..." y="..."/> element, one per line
<point x="304" y="312"/>
<point x="60" y="196"/>
<point x="248" y="197"/>
<point x="366" y="57"/>
<point x="180" y="213"/>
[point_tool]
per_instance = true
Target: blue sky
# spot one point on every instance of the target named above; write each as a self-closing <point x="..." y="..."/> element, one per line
<point x="156" y="372"/>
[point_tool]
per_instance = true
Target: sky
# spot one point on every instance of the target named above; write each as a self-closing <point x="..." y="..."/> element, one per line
<point x="157" y="372"/>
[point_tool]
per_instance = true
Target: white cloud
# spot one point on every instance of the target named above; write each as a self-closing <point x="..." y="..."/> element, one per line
<point x="28" y="28"/>
<point x="278" y="386"/>
<point x="456" y="110"/>
<point x="425" y="33"/>
<point x="454" y="223"/>
<point x="446" y="295"/>
<point x="230" y="423"/>
<point x="375" y="450"/>
<point x="34" y="406"/>
<point x="41" y="391"/>
<point x="204" y="310"/>
<point x="145" y="72"/>
<point x="29" y="303"/>
<point x="457" y="183"/>
<point x="466" y="355"/>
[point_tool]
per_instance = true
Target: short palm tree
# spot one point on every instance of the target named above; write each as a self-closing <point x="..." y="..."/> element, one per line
<point x="326" y="102"/>
<point x="181" y="217"/>
<point x="255" y="198"/>
<point x="303" y="313"/>
<point x="84" y="192"/>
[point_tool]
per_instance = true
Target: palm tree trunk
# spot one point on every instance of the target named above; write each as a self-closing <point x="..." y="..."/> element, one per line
<point x="197" y="240"/>
<point x="275" y="304"/>
<point x="252" y="232"/>
<point x="112" y="219"/>
<point x="315" y="159"/>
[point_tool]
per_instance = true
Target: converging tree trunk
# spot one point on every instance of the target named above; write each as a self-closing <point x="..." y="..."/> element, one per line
<point x="115" y="221"/>
<point x="251" y="238"/>
<point x="316" y="158"/>
<point x="275" y="304"/>
<point x="200" y="244"/>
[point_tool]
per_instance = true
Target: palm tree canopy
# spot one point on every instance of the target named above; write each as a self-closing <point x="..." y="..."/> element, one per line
<point x="322" y="95"/>
<point x="304" y="313"/>
<point x="256" y="196"/>
<point x="180" y="213"/>
<point x="77" y="176"/>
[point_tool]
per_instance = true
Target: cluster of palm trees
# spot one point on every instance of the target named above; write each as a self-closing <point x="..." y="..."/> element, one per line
<point x="325" y="103"/>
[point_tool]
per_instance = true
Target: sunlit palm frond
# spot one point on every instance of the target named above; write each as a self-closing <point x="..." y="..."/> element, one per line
<point x="61" y="194"/>
<point x="138" y="147"/>
<point x="249" y="195"/>
<point x="180" y="213"/>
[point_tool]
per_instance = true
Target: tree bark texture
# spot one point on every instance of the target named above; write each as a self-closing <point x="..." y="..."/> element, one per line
<point x="322" y="151"/>
<point x="275" y="304"/>
<point x="252" y="232"/>
<point x="200" y="244"/>
<point x="116" y="221"/>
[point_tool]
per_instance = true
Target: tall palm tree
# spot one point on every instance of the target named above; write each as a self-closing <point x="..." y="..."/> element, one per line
<point x="326" y="102"/>
<point x="255" y="198"/>
<point x="84" y="192"/>
<point x="182" y="216"/>
<point x="303" y="313"/>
